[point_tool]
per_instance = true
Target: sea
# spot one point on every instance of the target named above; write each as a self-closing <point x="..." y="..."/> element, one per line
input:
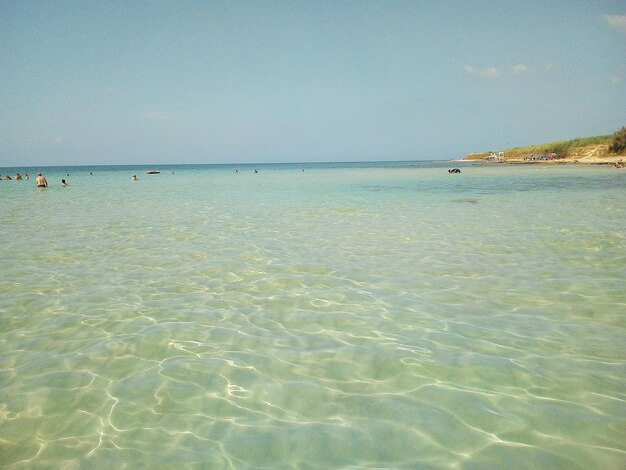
<point x="314" y="316"/>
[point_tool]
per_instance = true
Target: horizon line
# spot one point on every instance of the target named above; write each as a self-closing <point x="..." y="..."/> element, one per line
<point x="225" y="163"/>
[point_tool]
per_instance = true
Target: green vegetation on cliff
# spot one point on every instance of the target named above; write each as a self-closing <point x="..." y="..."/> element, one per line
<point x="612" y="144"/>
<point x="560" y="147"/>
<point x="618" y="144"/>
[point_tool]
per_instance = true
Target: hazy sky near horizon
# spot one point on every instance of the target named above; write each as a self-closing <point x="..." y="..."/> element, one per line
<point x="141" y="82"/>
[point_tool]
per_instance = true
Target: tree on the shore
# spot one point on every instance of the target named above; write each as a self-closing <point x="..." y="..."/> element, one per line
<point x="618" y="144"/>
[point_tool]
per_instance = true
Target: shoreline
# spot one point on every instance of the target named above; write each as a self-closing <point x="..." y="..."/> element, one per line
<point x="562" y="161"/>
<point x="586" y="155"/>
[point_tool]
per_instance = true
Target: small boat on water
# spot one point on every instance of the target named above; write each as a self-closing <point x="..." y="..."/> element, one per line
<point x="152" y="172"/>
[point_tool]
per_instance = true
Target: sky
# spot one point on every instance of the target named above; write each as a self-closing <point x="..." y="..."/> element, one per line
<point x="139" y="82"/>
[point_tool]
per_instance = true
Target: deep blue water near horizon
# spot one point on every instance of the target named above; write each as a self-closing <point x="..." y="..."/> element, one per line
<point x="351" y="315"/>
<point x="168" y="167"/>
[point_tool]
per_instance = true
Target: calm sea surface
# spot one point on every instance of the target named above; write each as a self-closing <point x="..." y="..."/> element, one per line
<point x="384" y="315"/>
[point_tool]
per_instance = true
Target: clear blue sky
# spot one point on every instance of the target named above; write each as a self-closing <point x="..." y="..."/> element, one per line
<point x="115" y="82"/>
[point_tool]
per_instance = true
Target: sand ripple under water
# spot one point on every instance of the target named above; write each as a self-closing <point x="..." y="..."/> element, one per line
<point x="333" y="318"/>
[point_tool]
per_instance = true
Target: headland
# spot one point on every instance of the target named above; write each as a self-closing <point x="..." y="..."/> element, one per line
<point x="601" y="150"/>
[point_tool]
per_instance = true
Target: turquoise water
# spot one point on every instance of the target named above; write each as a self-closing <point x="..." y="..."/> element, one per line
<point x="347" y="316"/>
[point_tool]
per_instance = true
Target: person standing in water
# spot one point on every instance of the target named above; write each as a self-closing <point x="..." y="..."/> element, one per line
<point x="41" y="181"/>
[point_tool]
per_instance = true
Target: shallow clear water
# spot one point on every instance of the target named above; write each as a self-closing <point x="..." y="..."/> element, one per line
<point x="356" y="316"/>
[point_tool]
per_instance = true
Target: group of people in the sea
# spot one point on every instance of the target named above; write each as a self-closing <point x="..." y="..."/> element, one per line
<point x="40" y="179"/>
<point x="17" y="177"/>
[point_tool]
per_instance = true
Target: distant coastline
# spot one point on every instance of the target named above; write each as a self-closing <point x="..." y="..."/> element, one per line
<point x="589" y="150"/>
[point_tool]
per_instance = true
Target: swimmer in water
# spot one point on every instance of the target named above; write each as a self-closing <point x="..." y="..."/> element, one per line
<point x="41" y="181"/>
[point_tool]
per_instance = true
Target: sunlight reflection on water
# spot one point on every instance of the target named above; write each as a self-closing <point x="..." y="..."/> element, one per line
<point x="365" y="317"/>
